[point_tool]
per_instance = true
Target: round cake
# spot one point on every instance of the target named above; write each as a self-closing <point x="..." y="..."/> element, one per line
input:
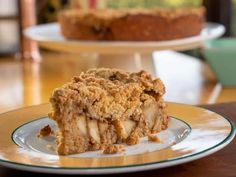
<point x="132" y="24"/>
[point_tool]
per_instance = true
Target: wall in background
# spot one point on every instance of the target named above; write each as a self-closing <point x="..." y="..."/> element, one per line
<point x="9" y="31"/>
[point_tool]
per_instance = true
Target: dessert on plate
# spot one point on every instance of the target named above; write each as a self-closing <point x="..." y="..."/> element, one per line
<point x="103" y="107"/>
<point x="155" y="24"/>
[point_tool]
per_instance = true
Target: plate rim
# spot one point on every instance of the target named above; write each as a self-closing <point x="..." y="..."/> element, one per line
<point x="124" y="168"/>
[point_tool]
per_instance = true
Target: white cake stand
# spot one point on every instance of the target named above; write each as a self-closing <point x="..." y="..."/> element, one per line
<point x="127" y="55"/>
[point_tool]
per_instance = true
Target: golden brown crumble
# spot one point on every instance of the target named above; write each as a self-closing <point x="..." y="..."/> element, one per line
<point x="153" y="138"/>
<point x="133" y="139"/>
<point x="113" y="149"/>
<point x="45" y="131"/>
<point x="109" y="94"/>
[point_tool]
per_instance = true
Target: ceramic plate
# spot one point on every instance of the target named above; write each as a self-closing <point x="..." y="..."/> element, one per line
<point x="193" y="133"/>
<point x="48" y="36"/>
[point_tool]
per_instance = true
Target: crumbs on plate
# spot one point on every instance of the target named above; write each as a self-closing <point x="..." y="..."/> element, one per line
<point x="45" y="131"/>
<point x="153" y="138"/>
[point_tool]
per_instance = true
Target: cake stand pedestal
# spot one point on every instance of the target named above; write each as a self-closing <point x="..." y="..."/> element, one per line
<point x="129" y="62"/>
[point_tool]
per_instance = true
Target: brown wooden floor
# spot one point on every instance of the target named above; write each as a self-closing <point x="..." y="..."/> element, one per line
<point x="26" y="83"/>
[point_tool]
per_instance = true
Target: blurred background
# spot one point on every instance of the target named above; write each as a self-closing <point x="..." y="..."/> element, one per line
<point x="28" y="73"/>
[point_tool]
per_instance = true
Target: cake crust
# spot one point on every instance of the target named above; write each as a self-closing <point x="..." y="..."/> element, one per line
<point x="107" y="106"/>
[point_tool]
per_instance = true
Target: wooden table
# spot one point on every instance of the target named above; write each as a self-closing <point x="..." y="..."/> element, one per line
<point x="221" y="163"/>
<point x="188" y="81"/>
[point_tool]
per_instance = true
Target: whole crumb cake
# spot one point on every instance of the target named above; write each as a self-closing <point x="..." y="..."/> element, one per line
<point x="103" y="107"/>
<point x="134" y="24"/>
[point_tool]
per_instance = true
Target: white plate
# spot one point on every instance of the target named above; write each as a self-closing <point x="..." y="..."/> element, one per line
<point x="26" y="137"/>
<point x="48" y="36"/>
<point x="193" y="133"/>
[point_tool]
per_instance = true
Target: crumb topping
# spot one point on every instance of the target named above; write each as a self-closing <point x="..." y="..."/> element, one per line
<point x="109" y="93"/>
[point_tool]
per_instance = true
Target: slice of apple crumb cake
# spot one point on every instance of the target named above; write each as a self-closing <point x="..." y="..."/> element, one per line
<point x="103" y="107"/>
